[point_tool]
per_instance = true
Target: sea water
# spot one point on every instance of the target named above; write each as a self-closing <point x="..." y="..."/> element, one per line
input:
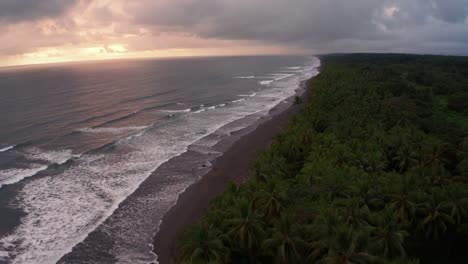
<point x="79" y="141"/>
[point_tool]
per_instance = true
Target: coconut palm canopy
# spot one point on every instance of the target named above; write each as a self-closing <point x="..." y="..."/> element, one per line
<point x="372" y="170"/>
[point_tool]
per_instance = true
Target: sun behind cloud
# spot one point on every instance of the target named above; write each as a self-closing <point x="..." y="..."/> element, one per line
<point x="68" y="30"/>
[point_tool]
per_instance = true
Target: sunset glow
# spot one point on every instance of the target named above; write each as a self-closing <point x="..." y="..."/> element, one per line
<point x="116" y="51"/>
<point x="101" y="30"/>
<point x="75" y="30"/>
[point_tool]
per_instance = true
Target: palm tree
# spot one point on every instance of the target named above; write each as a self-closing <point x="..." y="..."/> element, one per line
<point x="420" y="153"/>
<point x="388" y="236"/>
<point x="353" y="213"/>
<point x="349" y="246"/>
<point x="342" y="153"/>
<point x="374" y="162"/>
<point x="323" y="231"/>
<point x="233" y="189"/>
<point x="246" y="227"/>
<point x="405" y="158"/>
<point x="457" y="203"/>
<point x="270" y="164"/>
<point x="296" y="151"/>
<point x="434" y="218"/>
<point x="435" y="154"/>
<point x="202" y="245"/>
<point x="333" y="184"/>
<point x="368" y="196"/>
<point x="316" y="167"/>
<point x="285" y="243"/>
<point x="404" y="208"/>
<point x="401" y="200"/>
<point x="271" y="198"/>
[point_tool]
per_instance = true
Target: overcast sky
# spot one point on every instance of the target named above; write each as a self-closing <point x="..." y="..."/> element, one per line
<point x="34" y="31"/>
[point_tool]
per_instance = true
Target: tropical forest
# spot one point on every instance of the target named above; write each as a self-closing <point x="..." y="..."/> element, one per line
<point x="372" y="169"/>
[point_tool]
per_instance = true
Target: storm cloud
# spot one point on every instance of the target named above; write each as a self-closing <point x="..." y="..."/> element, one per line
<point x="286" y="26"/>
<point x="375" y="24"/>
<point x="12" y="11"/>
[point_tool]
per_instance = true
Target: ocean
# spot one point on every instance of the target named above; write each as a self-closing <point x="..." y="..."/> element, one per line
<point x="84" y="147"/>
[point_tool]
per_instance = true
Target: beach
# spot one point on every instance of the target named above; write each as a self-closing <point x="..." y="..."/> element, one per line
<point x="118" y="164"/>
<point x="232" y="166"/>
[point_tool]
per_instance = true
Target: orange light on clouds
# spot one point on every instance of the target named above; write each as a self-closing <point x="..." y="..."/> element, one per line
<point x="120" y="51"/>
<point x="64" y="54"/>
<point x="102" y="30"/>
<point x="117" y="48"/>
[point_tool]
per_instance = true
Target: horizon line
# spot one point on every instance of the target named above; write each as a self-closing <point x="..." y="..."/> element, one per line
<point x="2" y="67"/>
<point x="150" y="58"/>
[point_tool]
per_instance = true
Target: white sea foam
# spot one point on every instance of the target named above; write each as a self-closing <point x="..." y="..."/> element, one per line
<point x="139" y="134"/>
<point x="281" y="76"/>
<point x="248" y="95"/>
<point x="113" y="130"/>
<point x="177" y="111"/>
<point x="203" y="109"/>
<point x="40" y="160"/>
<point x="11" y="176"/>
<point x="266" y="82"/>
<point x="245" y="77"/>
<point x="7" y="148"/>
<point x="51" y="156"/>
<point x="63" y="209"/>
<point x="276" y="77"/>
<point x="237" y="101"/>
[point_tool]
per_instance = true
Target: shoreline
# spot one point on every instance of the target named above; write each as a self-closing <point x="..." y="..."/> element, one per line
<point x="232" y="166"/>
<point x="128" y="235"/>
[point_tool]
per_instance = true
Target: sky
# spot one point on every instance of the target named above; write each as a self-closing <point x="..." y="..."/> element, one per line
<point x="44" y="31"/>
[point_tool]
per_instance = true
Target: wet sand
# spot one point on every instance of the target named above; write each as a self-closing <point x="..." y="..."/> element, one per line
<point x="232" y="166"/>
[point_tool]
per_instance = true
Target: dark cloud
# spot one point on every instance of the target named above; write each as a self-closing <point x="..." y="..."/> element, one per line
<point x="317" y="24"/>
<point x="13" y="11"/>
<point x="452" y="11"/>
<point x="276" y="20"/>
<point x="418" y="26"/>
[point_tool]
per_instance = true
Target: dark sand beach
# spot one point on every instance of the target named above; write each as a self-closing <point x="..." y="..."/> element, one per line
<point x="232" y="166"/>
